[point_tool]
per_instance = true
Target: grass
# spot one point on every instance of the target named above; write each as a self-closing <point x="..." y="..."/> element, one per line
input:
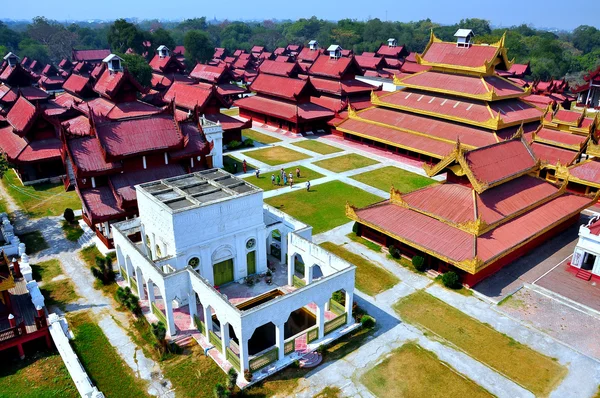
<point x="411" y="371"/>
<point x="284" y="383"/>
<point x="385" y="177"/>
<point x="46" y="270"/>
<point x="34" y="242"/>
<point x="40" y="200"/>
<point x="365" y="242"/>
<point x="72" y="231"/>
<point x="259" y="137"/>
<point x="231" y="112"/>
<point x="229" y="162"/>
<point x="88" y="255"/>
<point x="324" y="206"/>
<point x="460" y="290"/>
<point x="343" y="163"/>
<point x="193" y="374"/>
<point x="370" y="278"/>
<point x="276" y="155"/>
<point x="329" y="392"/>
<point x="3" y="208"/>
<point x="264" y="181"/>
<point x="528" y="368"/>
<point x="59" y="293"/>
<point x="316" y="146"/>
<point x="40" y="375"/>
<point x="101" y="361"/>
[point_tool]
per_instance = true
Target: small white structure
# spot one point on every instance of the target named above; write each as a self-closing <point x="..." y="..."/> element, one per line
<point x="11" y="59"/>
<point x="114" y="62"/>
<point x="335" y="51"/>
<point x="163" y="51"/>
<point x="463" y="37"/>
<point x="586" y="256"/>
<point x="214" y="134"/>
<point x="392" y="42"/>
<point x="202" y="243"/>
<point x="313" y="45"/>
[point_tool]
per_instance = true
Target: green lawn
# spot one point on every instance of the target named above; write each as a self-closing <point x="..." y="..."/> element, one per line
<point x="46" y="270"/>
<point x="343" y="163"/>
<point x="259" y="137"/>
<point x="365" y="242"/>
<point x="411" y="371"/>
<point x="370" y="278"/>
<point x="229" y="162"/>
<point x="59" y="293"/>
<point x="72" y="231"/>
<point x="276" y="155"/>
<point x="40" y="200"/>
<point x="40" y="375"/>
<point x="231" y="112"/>
<point x="264" y="181"/>
<point x="385" y="177"/>
<point x="329" y="392"/>
<point x="324" y="207"/>
<point x="3" y="208"/>
<point x="101" y="361"/>
<point x="34" y="242"/>
<point x="532" y="370"/>
<point x="317" y="146"/>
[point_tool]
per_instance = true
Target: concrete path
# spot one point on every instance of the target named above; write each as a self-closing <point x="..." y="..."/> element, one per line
<point x="113" y="323"/>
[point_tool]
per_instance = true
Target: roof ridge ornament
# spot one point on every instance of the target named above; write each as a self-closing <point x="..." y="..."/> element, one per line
<point x="351" y="112"/>
<point x="396" y="197"/>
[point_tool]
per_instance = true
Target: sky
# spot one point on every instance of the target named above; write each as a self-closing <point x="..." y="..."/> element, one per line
<point x="539" y="13"/>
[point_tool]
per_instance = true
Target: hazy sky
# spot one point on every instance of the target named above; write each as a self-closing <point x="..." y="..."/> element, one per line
<point x="540" y="13"/>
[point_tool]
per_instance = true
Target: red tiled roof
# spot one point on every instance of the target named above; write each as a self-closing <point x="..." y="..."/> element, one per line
<point x="51" y="108"/>
<point x="282" y="58"/>
<point x="11" y="143"/>
<point x="168" y="80"/>
<point x="341" y="87"/>
<point x="447" y="53"/>
<point x="552" y="155"/>
<point x="21" y="116"/>
<point x="278" y="86"/>
<point x="78" y="126"/>
<point x="190" y="96"/>
<point x="412" y="67"/>
<point x="563" y="115"/>
<point x="393" y="52"/>
<point x="219" y="53"/>
<point x="196" y="142"/>
<point x="67" y="100"/>
<point x="309" y="55"/>
<point x="367" y="62"/>
<point x="328" y="67"/>
<point x="124" y="184"/>
<point x="90" y="55"/>
<point x="159" y="64"/>
<point x="230" y="89"/>
<point x="139" y="136"/>
<point x="498" y="162"/>
<point x="284" y="110"/>
<point x="257" y="49"/>
<point x="29" y="92"/>
<point x="179" y="50"/>
<point x="76" y="84"/>
<point x="123" y="110"/>
<point x="228" y="122"/>
<point x="208" y="73"/>
<point x="109" y="83"/>
<point x="18" y="149"/>
<point x="101" y="203"/>
<point x="588" y="171"/>
<point x="241" y="63"/>
<point x="448" y="131"/>
<point x="286" y="69"/>
<point x="561" y="137"/>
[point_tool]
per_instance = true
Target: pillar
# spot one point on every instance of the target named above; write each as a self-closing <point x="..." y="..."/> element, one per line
<point x="349" y="301"/>
<point x="16" y="268"/>
<point x="169" y="315"/>
<point x="11" y="321"/>
<point x="280" y="339"/>
<point x="21" y="351"/>
<point x="283" y="246"/>
<point x="207" y="319"/>
<point x="308" y="274"/>
<point x="150" y="287"/>
<point x="290" y="266"/>
<point x="140" y="284"/>
<point x="192" y="307"/>
<point x="244" y="358"/>
<point x="224" y="337"/>
<point x="321" y="319"/>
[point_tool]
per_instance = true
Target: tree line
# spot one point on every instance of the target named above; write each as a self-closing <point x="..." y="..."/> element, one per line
<point x="552" y="55"/>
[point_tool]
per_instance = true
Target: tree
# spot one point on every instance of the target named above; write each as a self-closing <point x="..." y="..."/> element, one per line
<point x="123" y="35"/>
<point x="69" y="215"/>
<point x="138" y="68"/>
<point x="198" y="46"/>
<point x="4" y="165"/>
<point x="34" y="50"/>
<point x="163" y="37"/>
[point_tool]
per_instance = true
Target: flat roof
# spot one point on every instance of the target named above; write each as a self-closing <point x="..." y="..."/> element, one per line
<point x="197" y="189"/>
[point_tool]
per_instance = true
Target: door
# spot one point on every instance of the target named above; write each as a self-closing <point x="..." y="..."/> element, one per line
<point x="223" y="272"/>
<point x="251" y="262"/>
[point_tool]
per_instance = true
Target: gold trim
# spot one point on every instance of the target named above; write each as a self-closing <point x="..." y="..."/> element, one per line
<point x="396" y="198"/>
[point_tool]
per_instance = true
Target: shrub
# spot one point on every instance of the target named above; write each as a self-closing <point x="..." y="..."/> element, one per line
<point x="129" y="300"/>
<point x="232" y="376"/>
<point x="248" y="142"/>
<point x="451" y="280"/>
<point x="419" y="263"/>
<point x="220" y="391"/>
<point x="394" y="252"/>
<point x="233" y="144"/>
<point x="339" y="297"/>
<point x="103" y="271"/>
<point x="248" y="376"/>
<point x="356" y="228"/>
<point x="367" y="321"/>
<point x="69" y="215"/>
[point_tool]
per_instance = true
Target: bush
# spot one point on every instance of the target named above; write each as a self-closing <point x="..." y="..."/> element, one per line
<point x="234" y="144"/>
<point x="232" y="376"/>
<point x="220" y="391"/>
<point x="356" y="228"/>
<point x="451" y="280"/>
<point x="129" y="300"/>
<point x="419" y="263"/>
<point x="248" y="376"/>
<point x="69" y="215"/>
<point x="367" y="321"/>
<point x="248" y="142"/>
<point x="103" y="270"/>
<point x="394" y="252"/>
<point x="339" y="296"/>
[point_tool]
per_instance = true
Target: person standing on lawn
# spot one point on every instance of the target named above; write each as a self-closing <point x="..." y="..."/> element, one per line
<point x="291" y="182"/>
<point x="284" y="179"/>
<point x="257" y="173"/>
<point x="278" y="180"/>
<point x="297" y="172"/>
<point x="307" y="186"/>
<point x="272" y="179"/>
<point x="290" y="176"/>
<point x="244" y="166"/>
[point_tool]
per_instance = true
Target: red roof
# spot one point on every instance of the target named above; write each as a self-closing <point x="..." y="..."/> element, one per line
<point x="139" y="136"/>
<point x="90" y="55"/>
<point x="336" y="68"/>
<point x="393" y="52"/>
<point x="228" y="122"/>
<point x="588" y="171"/>
<point x="341" y="87"/>
<point x="21" y="116"/>
<point x="29" y="92"/>
<point x="160" y="64"/>
<point x="282" y="58"/>
<point x="230" y="89"/>
<point x="190" y="96"/>
<point x="277" y="86"/>
<point x="78" y="126"/>
<point x="88" y="157"/>
<point x="257" y="49"/>
<point x="109" y="83"/>
<point x="447" y="53"/>
<point x="123" y="184"/>
<point x="67" y="100"/>
<point x="241" y="63"/>
<point x="498" y="162"/>
<point x="219" y="53"/>
<point x="11" y="143"/>
<point x="179" y="50"/>
<point x="552" y="155"/>
<point x="287" y="69"/>
<point x="284" y="110"/>
<point x="208" y="73"/>
<point x="168" y="80"/>
<point x="41" y="150"/>
<point x="367" y="62"/>
<point x="196" y="142"/>
<point x="308" y="55"/>
<point x="412" y="67"/>
<point x="101" y="203"/>
<point x="76" y="84"/>
<point x="560" y="137"/>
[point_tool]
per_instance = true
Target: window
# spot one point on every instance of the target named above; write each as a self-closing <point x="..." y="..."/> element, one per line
<point x="251" y="243"/>
<point x="194" y="262"/>
<point x="158" y="252"/>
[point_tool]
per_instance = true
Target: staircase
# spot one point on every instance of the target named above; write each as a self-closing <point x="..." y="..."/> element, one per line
<point x="184" y="340"/>
<point x="583" y="274"/>
<point x="311" y="360"/>
<point x="88" y="234"/>
<point x="432" y="273"/>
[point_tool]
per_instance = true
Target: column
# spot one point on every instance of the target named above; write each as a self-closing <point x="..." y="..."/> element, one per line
<point x="224" y="337"/>
<point x="244" y="359"/>
<point x="284" y="246"/>
<point x="308" y="274"/>
<point x="207" y="318"/>
<point x="140" y="284"/>
<point x="321" y="319"/>
<point x="150" y="286"/>
<point x="280" y="340"/>
<point x="169" y="315"/>
<point x="192" y="307"/>
<point x="349" y="301"/>
<point x="290" y="267"/>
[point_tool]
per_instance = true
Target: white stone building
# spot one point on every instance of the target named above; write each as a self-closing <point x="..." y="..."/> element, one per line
<point x="198" y="258"/>
<point x="586" y="257"/>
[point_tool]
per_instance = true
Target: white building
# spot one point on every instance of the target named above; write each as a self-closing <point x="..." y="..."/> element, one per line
<point x="197" y="257"/>
<point x="586" y="256"/>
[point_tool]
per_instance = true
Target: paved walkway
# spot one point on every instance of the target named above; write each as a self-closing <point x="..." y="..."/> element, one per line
<point x="113" y="323"/>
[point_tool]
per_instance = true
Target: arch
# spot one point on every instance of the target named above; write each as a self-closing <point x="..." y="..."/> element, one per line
<point x="222" y="253"/>
<point x="298" y="263"/>
<point x="316" y="272"/>
<point x="120" y="258"/>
